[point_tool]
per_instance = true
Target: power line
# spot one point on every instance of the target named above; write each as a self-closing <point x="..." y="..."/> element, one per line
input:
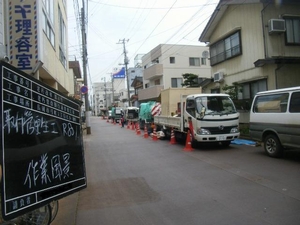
<point x="155" y="27"/>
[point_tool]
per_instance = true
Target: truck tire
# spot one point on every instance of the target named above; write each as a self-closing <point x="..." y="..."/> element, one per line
<point x="273" y="146"/>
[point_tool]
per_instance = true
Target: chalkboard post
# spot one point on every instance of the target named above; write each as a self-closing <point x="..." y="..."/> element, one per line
<point x="42" y="148"/>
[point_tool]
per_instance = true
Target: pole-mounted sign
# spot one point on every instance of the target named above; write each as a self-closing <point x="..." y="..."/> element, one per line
<point x="84" y="89"/>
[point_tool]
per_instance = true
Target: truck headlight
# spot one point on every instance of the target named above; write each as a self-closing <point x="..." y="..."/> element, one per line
<point x="202" y="131"/>
<point x="234" y="130"/>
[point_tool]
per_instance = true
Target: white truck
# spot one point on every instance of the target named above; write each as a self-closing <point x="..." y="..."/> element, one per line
<point x="209" y="117"/>
<point x="131" y="114"/>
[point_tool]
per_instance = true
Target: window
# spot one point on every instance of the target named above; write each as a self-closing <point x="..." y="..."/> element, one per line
<point x="48" y="20"/>
<point x="48" y="8"/>
<point x="62" y="39"/>
<point x="292" y="31"/>
<point x="190" y="107"/>
<point x="172" y="60"/>
<point x="203" y="61"/>
<point x="176" y="82"/>
<point x="250" y="89"/>
<point x="194" y="61"/>
<point x="271" y="103"/>
<point x="155" y="61"/>
<point x="157" y="82"/>
<point x="216" y="90"/>
<point x="225" y="49"/>
<point x="295" y="103"/>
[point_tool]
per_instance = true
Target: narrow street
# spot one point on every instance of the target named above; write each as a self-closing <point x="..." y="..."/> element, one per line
<point x="135" y="180"/>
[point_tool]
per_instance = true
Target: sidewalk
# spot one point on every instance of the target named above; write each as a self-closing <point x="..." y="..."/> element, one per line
<point x="67" y="208"/>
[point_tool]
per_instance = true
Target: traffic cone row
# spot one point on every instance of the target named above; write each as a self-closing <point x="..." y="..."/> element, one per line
<point x="172" y="140"/>
<point x="145" y="131"/>
<point x="188" y="143"/>
<point x="135" y="126"/>
<point x="138" y="131"/>
<point x="154" y="136"/>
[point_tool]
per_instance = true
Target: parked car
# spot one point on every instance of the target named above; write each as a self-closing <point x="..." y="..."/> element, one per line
<point x="275" y="120"/>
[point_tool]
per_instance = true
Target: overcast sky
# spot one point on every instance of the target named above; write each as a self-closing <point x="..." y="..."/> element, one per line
<point x="144" y="23"/>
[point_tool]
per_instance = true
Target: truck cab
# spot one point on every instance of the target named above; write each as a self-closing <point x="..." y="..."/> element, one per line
<point x="116" y="113"/>
<point x="211" y="118"/>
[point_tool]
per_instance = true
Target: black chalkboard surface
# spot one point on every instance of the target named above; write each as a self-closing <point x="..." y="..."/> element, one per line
<point x="42" y="149"/>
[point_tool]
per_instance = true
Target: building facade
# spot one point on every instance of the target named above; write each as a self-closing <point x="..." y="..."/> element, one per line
<point x="164" y="65"/>
<point x="34" y="39"/>
<point x="254" y="45"/>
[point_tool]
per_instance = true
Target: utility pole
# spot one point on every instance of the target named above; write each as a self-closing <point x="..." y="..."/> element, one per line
<point x="126" y="68"/>
<point x="113" y="91"/>
<point x="112" y="86"/>
<point x="84" y="62"/>
<point x="105" y="93"/>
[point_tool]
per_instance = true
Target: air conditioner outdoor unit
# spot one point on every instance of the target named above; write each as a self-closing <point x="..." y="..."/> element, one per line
<point x="218" y="77"/>
<point x="276" y="26"/>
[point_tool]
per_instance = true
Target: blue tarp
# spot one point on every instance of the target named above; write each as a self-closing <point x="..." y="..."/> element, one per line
<point x="243" y="142"/>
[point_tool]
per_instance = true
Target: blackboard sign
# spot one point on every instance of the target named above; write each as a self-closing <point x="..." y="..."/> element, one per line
<point x="42" y="148"/>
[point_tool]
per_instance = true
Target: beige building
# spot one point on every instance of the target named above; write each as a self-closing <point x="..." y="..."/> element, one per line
<point x="34" y="38"/>
<point x="254" y="44"/>
<point x="164" y="65"/>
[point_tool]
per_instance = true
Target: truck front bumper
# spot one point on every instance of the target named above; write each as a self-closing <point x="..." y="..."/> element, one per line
<point x="216" y="137"/>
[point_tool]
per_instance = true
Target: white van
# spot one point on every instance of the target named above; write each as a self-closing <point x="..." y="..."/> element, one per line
<point x="275" y="120"/>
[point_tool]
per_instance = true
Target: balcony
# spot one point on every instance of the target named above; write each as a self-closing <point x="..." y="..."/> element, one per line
<point x="154" y="71"/>
<point x="150" y="93"/>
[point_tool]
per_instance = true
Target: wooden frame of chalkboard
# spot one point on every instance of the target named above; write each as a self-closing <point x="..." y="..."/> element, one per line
<point x="42" y="148"/>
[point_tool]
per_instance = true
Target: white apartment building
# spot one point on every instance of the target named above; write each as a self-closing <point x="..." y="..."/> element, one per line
<point x="164" y="65"/>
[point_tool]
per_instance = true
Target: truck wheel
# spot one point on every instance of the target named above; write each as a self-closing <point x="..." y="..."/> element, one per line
<point x="225" y="143"/>
<point x="273" y="146"/>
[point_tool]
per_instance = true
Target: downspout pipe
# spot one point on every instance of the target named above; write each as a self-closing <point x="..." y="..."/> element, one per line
<point x="263" y="29"/>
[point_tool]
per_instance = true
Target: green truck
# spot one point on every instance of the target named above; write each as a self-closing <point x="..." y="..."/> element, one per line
<point x="116" y="113"/>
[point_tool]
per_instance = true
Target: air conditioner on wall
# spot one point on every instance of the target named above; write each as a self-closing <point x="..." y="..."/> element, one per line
<point x="276" y="26"/>
<point x="218" y="77"/>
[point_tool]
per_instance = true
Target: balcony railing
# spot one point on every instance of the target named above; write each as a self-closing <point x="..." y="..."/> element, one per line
<point x="154" y="71"/>
<point x="150" y="93"/>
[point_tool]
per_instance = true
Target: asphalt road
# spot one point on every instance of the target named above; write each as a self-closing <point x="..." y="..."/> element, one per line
<point x="135" y="180"/>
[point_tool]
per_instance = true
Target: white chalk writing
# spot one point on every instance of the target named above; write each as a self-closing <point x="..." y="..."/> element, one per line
<point x="38" y="174"/>
<point x="27" y="124"/>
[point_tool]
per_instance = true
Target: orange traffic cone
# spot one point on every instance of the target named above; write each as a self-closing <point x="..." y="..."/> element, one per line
<point x="172" y="140"/>
<point x="132" y="126"/>
<point x="138" y="131"/>
<point x="154" y="136"/>
<point x="188" y="144"/>
<point x="120" y="123"/>
<point x="128" y="124"/>
<point x="145" y="131"/>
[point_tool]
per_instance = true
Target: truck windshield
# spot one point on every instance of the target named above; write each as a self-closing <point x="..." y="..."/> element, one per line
<point x="213" y="105"/>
